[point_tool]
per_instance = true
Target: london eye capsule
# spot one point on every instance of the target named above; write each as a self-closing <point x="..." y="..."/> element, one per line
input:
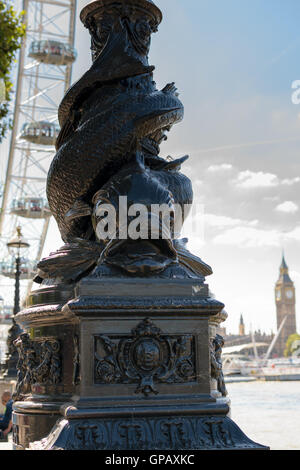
<point x="31" y="207"/>
<point x="8" y="268"/>
<point x="52" y="52"/>
<point x="40" y="132"/>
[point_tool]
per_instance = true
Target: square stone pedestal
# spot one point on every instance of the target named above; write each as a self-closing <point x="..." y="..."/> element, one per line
<point x="141" y="360"/>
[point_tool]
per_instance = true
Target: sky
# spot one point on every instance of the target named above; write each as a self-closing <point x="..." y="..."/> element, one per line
<point x="233" y="63"/>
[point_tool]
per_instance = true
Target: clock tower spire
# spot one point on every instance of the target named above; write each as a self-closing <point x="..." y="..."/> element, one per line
<point x="285" y="306"/>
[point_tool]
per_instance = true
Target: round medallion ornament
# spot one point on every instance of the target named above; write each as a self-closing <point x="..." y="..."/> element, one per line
<point x="147" y="354"/>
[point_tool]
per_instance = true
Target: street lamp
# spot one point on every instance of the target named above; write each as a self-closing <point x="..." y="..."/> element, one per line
<point x="15" y="245"/>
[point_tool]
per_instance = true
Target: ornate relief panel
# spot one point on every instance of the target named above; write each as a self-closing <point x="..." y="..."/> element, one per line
<point x="40" y="362"/>
<point x="145" y="357"/>
<point x="205" y="433"/>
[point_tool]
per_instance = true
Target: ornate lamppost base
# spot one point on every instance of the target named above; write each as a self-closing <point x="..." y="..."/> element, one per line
<point x="170" y="431"/>
<point x="140" y="375"/>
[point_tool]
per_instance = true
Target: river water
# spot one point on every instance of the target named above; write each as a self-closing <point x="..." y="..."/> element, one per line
<point x="268" y="412"/>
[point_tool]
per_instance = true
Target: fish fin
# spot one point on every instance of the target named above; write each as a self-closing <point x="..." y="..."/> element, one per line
<point x="173" y="164"/>
<point x="170" y="88"/>
<point x="79" y="209"/>
<point x="192" y="262"/>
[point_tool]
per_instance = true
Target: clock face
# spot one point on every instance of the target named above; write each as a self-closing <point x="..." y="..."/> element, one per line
<point x="289" y="293"/>
<point x="278" y="295"/>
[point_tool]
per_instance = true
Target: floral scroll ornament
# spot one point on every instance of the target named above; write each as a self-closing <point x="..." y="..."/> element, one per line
<point x="39" y="363"/>
<point x="145" y="358"/>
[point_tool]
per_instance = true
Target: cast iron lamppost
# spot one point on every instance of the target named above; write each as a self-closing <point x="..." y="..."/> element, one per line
<point x="14" y="246"/>
<point x="123" y="351"/>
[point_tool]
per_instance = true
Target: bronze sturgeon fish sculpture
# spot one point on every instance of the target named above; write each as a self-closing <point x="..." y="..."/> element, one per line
<point x="113" y="116"/>
<point x="113" y="121"/>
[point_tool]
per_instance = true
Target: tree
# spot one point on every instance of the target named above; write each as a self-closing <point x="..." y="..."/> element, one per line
<point x="11" y="31"/>
<point x="292" y="344"/>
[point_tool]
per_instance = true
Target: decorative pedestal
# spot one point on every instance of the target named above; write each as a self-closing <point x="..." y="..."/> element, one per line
<point x="127" y="364"/>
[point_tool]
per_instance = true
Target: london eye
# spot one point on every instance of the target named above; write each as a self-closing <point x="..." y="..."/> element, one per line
<point x="42" y="75"/>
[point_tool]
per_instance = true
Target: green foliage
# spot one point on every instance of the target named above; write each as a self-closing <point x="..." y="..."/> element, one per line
<point x="11" y="31"/>
<point x="289" y="344"/>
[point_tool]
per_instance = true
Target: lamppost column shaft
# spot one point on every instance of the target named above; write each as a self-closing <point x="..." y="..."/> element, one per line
<point x="17" y="286"/>
<point x="17" y="242"/>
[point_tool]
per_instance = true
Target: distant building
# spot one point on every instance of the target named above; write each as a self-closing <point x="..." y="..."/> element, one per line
<point x="285" y="300"/>
<point x="241" y="327"/>
<point x="6" y="311"/>
<point x="262" y="340"/>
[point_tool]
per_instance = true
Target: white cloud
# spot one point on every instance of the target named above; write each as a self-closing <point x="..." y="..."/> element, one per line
<point x="291" y="181"/>
<point x="221" y="167"/>
<point x="258" y="179"/>
<point x="294" y="234"/>
<point x="213" y="220"/>
<point x="289" y="207"/>
<point x="249" y="179"/>
<point x="249" y="237"/>
<point x="205" y="226"/>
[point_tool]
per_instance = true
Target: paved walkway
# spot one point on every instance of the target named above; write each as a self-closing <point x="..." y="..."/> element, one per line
<point x="7" y="445"/>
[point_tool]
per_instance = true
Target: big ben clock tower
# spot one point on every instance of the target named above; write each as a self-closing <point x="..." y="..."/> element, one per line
<point x="285" y="305"/>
